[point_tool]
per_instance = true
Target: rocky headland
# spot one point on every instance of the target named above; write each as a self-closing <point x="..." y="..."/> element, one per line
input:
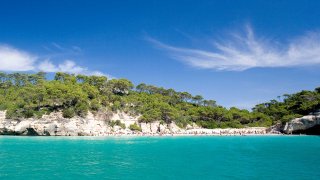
<point x="309" y="124"/>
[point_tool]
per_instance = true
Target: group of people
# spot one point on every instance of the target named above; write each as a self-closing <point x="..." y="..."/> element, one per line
<point x="195" y="132"/>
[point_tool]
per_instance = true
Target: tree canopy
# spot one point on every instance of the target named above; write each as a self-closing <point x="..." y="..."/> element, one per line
<point x="32" y="95"/>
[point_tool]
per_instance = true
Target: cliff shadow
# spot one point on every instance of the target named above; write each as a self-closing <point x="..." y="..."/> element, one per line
<point x="31" y="132"/>
<point x="315" y="130"/>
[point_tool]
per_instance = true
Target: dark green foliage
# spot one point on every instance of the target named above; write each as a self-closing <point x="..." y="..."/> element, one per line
<point x="31" y="95"/>
<point x="292" y="106"/>
<point x="117" y="123"/>
<point x="68" y="113"/>
<point x="120" y="86"/>
<point x="135" y="127"/>
<point x="183" y="121"/>
<point x="116" y="106"/>
<point x="95" y="105"/>
<point x="81" y="109"/>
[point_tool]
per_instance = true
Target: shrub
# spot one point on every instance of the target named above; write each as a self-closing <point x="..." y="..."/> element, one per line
<point x="95" y="105"/>
<point x="11" y="112"/>
<point x="41" y="112"/>
<point x="14" y="112"/>
<point x="182" y="122"/>
<point x="28" y="113"/>
<point x="135" y="127"/>
<point x="68" y="113"/>
<point x="207" y="124"/>
<point x="116" y="106"/>
<point x="81" y="109"/>
<point x="117" y="123"/>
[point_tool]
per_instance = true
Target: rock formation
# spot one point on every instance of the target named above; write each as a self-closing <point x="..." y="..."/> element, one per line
<point x="98" y="124"/>
<point x="306" y="125"/>
<point x="92" y="125"/>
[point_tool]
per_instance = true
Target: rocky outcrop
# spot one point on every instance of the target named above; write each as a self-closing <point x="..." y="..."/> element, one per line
<point x="124" y="118"/>
<point x="92" y="125"/>
<point x="98" y="125"/>
<point x="303" y="125"/>
<point x="54" y="125"/>
<point x="275" y="129"/>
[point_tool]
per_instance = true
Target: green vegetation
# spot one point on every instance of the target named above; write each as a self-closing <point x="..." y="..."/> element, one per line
<point x="68" y="113"/>
<point x="292" y="106"/>
<point x="135" y="127"/>
<point x="117" y="123"/>
<point x="32" y="95"/>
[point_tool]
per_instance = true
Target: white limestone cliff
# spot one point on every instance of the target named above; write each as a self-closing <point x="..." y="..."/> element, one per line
<point x="92" y="125"/>
<point x="301" y="124"/>
<point x="98" y="125"/>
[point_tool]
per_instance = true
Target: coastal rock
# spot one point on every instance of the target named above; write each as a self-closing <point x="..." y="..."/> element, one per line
<point x="174" y="128"/>
<point x="2" y="115"/>
<point x="55" y="125"/>
<point x="300" y="125"/>
<point x="123" y="118"/>
<point x="145" y="127"/>
<point x="153" y="128"/>
<point x="275" y="129"/>
<point x="98" y="125"/>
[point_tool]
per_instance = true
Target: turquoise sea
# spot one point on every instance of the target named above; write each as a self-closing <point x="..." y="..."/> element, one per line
<point x="264" y="157"/>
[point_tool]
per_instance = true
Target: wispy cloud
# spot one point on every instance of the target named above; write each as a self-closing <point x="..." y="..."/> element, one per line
<point x="62" y="49"/>
<point x="13" y="59"/>
<point x="57" y="50"/>
<point x="241" y="51"/>
<point x="56" y="45"/>
<point x="68" y="66"/>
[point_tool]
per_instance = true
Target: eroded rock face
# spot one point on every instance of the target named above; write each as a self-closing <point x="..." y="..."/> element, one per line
<point x="55" y="125"/>
<point x="275" y="129"/>
<point x="301" y="125"/>
<point x="98" y="125"/>
<point x="92" y="125"/>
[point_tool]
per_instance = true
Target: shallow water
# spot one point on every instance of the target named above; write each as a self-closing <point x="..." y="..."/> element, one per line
<point x="256" y="157"/>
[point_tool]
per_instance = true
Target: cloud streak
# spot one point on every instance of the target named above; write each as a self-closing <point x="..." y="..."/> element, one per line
<point x="12" y="59"/>
<point x="68" y="66"/>
<point x="243" y="51"/>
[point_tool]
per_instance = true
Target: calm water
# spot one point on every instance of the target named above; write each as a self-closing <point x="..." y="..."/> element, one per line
<point x="281" y="157"/>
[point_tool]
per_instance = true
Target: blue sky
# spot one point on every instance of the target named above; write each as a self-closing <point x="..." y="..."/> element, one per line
<point x="238" y="53"/>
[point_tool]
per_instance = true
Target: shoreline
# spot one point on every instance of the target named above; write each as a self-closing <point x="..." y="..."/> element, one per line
<point x="167" y="135"/>
<point x="55" y="125"/>
<point x="93" y="126"/>
<point x="157" y="135"/>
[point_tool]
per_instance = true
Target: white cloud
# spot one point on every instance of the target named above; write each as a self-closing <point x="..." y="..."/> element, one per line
<point x="244" y="51"/>
<point x="47" y="66"/>
<point x="71" y="67"/>
<point x="12" y="59"/>
<point x="67" y="66"/>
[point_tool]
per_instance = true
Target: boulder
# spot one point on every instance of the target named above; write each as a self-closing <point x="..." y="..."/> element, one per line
<point x="300" y="125"/>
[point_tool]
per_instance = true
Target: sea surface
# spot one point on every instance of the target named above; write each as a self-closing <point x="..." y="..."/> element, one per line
<point x="230" y="157"/>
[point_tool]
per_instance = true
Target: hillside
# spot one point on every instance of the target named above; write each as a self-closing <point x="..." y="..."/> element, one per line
<point x="32" y="96"/>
